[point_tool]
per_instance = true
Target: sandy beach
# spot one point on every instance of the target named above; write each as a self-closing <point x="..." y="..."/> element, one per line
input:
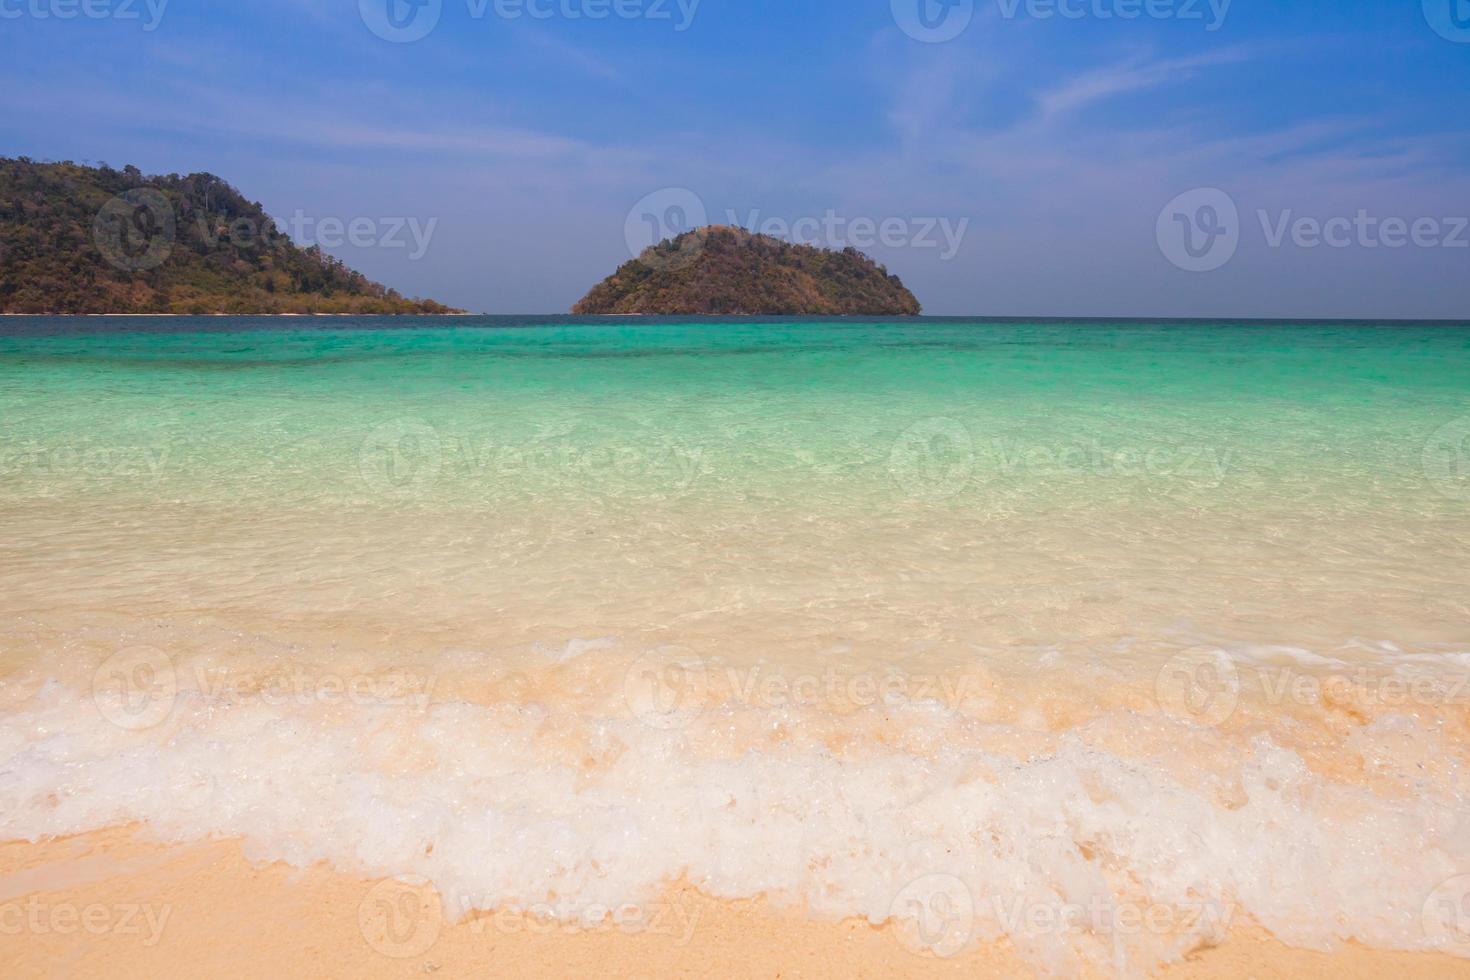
<point x="112" y="904"/>
<point x="387" y="652"/>
<point x="938" y="489"/>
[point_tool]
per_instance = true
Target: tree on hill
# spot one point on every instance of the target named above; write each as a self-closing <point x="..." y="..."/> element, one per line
<point x="728" y="270"/>
<point x="80" y="239"/>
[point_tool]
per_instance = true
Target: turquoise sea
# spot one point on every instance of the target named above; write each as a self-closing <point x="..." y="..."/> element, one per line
<point x="781" y="408"/>
<point x="816" y="610"/>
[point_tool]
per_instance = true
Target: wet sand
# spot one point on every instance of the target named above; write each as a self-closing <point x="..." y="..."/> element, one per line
<point x="112" y="904"/>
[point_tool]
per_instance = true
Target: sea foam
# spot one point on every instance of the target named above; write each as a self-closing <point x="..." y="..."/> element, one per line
<point x="1121" y="840"/>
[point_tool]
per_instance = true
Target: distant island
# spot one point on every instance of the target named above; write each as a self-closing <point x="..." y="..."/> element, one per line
<point x="727" y="270"/>
<point x="80" y="239"/>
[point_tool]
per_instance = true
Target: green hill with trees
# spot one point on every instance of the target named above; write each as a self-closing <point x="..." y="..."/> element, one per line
<point x="78" y="239"/>
<point x="727" y="270"/>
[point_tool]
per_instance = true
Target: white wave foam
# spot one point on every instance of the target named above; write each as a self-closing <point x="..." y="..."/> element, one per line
<point x="504" y="805"/>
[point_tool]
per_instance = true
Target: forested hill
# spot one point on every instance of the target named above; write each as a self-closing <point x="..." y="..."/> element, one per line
<point x="728" y="270"/>
<point x="78" y="239"/>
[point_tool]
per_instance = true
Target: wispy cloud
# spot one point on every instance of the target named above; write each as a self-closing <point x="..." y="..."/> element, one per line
<point x="572" y="55"/>
<point x="1060" y="141"/>
<point x="1136" y="74"/>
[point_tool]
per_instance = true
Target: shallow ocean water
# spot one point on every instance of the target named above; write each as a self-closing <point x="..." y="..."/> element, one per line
<point x="878" y="619"/>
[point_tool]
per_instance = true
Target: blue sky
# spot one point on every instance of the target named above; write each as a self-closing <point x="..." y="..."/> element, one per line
<point x="1032" y="164"/>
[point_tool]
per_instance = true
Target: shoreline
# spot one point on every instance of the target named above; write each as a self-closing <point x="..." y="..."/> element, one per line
<point x="989" y="319"/>
<point x="576" y="616"/>
<point x="135" y="316"/>
<point x="112" y="903"/>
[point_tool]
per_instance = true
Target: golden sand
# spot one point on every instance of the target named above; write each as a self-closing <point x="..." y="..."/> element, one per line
<point x="111" y="904"/>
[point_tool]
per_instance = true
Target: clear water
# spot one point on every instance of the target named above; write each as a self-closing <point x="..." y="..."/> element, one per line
<point x="1150" y="613"/>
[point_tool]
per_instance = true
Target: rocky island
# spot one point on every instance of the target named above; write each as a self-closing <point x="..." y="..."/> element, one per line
<point x="81" y="239"/>
<point x="724" y="270"/>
